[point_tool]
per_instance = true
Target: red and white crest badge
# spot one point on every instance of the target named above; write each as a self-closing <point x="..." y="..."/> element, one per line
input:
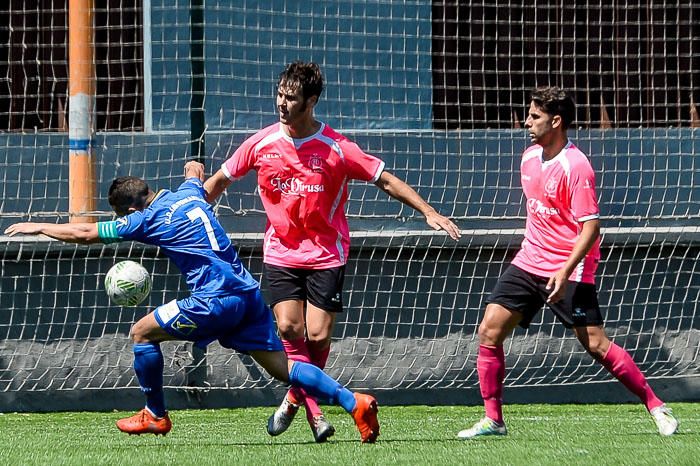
<point x="316" y="163"/>
<point x="550" y="188"/>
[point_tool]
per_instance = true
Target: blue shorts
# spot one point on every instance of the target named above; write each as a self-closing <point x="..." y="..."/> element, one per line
<point x="242" y="321"/>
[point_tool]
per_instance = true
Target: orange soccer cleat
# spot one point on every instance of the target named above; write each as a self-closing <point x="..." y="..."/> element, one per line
<point x="365" y="416"/>
<point x="144" y="422"/>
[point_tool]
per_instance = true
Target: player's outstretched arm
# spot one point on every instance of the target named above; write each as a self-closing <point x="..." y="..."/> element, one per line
<point x="81" y="233"/>
<point x="401" y="191"/>
<point x="215" y="185"/>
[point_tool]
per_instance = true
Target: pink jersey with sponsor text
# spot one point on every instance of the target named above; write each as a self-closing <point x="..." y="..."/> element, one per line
<point x="303" y="187"/>
<point x="560" y="195"/>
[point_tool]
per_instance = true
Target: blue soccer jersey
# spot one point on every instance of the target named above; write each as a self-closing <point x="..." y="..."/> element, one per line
<point x="183" y="225"/>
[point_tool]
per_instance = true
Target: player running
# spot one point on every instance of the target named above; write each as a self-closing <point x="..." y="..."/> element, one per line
<point x="303" y="168"/>
<point x="225" y="302"/>
<point x="555" y="266"/>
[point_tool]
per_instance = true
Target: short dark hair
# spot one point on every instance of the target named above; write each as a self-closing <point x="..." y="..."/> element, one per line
<point x="126" y="192"/>
<point x="555" y="101"/>
<point x="304" y="76"/>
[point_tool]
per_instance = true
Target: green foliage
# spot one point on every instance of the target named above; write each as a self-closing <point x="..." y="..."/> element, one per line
<point x="412" y="435"/>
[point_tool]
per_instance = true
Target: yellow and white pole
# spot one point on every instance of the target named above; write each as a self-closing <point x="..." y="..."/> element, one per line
<point x="81" y="124"/>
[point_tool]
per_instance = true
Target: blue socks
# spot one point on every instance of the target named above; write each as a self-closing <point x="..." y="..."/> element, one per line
<point x="318" y="384"/>
<point x="148" y="364"/>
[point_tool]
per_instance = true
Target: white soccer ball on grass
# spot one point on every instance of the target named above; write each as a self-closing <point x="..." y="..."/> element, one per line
<point x="127" y="283"/>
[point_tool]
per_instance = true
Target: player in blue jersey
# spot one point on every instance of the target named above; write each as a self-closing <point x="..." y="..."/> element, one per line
<point x="225" y="302"/>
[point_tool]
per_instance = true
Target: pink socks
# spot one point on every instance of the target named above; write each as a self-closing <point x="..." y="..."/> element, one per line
<point x="620" y="364"/>
<point x="491" y="366"/>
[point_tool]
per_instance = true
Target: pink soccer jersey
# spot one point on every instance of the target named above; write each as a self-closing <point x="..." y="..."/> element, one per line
<point x="560" y="196"/>
<point x="303" y="187"/>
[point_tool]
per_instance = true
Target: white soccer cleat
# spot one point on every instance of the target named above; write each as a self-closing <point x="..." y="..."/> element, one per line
<point x="282" y="418"/>
<point x="484" y="427"/>
<point x="666" y="423"/>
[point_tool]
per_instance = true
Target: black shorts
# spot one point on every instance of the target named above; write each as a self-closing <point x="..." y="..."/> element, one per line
<point x="523" y="292"/>
<point x="323" y="288"/>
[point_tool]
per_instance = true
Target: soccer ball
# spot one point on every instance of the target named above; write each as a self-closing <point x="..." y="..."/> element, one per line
<point x="127" y="283"/>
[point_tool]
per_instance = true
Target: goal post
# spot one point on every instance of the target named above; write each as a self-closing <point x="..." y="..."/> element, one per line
<point x="81" y="85"/>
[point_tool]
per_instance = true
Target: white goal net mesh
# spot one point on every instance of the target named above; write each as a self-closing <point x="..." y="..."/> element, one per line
<point x="438" y="90"/>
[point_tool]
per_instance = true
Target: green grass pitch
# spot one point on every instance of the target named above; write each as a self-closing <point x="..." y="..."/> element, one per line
<point x="411" y="435"/>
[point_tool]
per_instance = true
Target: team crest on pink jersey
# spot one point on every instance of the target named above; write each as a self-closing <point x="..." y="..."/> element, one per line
<point x="316" y="163"/>
<point x="550" y="189"/>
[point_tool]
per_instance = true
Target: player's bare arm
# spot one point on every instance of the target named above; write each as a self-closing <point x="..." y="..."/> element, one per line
<point x="215" y="185"/>
<point x="590" y="230"/>
<point x="81" y="233"/>
<point x="401" y="191"/>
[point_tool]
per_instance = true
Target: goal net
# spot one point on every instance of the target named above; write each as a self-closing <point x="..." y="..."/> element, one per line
<point x="439" y="91"/>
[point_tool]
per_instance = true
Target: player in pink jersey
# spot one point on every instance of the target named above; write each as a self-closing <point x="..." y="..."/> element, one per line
<point x="555" y="265"/>
<point x="303" y="169"/>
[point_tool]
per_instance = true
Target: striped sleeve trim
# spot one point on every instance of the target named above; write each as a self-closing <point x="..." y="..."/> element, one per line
<point x="378" y="173"/>
<point x="107" y="231"/>
<point x="588" y="217"/>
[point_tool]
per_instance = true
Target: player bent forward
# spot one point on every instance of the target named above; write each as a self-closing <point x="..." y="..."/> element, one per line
<point x="555" y="265"/>
<point x="225" y="304"/>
